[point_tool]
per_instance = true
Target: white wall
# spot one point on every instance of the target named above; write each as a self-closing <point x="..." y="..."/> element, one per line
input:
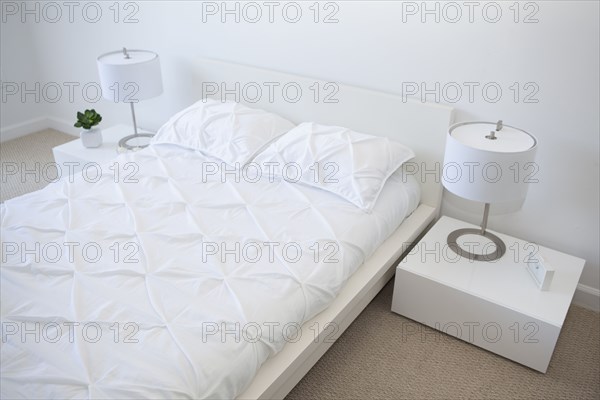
<point x="370" y="46"/>
<point x="19" y="64"/>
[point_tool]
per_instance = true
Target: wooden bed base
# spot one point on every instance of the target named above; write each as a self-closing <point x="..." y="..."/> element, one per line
<point x="421" y="126"/>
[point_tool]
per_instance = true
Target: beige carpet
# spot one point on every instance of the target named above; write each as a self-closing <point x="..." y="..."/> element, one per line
<point x="28" y="153"/>
<point x="373" y="359"/>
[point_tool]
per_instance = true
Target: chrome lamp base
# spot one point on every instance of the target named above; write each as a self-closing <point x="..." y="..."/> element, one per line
<point x="500" y="247"/>
<point x="134" y="142"/>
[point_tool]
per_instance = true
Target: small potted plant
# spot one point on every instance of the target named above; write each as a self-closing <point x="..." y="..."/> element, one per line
<point x="90" y="136"/>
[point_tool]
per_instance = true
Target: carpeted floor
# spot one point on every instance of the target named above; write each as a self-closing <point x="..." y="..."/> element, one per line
<point x="374" y="359"/>
<point x="25" y="162"/>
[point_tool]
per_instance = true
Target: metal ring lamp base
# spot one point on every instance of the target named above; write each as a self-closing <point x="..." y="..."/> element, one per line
<point x="496" y="254"/>
<point x="125" y="146"/>
<point x="123" y="143"/>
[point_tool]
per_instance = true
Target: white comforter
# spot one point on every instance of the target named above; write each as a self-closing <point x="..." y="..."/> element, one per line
<point x="132" y="290"/>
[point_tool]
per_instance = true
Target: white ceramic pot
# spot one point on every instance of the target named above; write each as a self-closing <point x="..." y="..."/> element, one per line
<point x="91" y="137"/>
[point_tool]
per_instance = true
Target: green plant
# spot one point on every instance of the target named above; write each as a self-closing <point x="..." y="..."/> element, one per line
<point x="87" y="119"/>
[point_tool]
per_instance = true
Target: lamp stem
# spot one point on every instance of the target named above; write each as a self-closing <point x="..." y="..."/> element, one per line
<point x="135" y="131"/>
<point x="486" y="212"/>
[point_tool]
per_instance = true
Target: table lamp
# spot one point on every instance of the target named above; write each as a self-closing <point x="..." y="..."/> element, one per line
<point x="482" y="163"/>
<point x="129" y="76"/>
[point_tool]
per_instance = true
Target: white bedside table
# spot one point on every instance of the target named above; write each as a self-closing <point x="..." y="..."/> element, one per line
<point x="494" y="305"/>
<point x="74" y="152"/>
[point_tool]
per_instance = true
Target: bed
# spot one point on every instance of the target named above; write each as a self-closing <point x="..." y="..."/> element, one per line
<point x="153" y="292"/>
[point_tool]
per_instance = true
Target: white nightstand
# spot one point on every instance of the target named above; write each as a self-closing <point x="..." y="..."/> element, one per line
<point x="74" y="152"/>
<point x="494" y="305"/>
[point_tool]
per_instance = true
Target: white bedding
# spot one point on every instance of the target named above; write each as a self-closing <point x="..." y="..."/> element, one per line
<point x="177" y="297"/>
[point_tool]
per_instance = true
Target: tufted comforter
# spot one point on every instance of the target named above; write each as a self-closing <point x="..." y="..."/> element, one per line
<point x="157" y="277"/>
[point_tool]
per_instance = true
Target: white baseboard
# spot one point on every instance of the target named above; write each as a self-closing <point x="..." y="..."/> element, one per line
<point x="23" y="128"/>
<point x="587" y="297"/>
<point x="63" y="126"/>
<point x="36" y="125"/>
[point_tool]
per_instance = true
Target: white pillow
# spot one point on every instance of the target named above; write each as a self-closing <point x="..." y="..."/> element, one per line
<point x="352" y="165"/>
<point x="228" y="131"/>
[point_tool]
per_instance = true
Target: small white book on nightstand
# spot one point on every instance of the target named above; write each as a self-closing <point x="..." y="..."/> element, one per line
<point x="496" y="305"/>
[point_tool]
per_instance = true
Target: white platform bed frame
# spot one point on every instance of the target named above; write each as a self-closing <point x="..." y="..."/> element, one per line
<point x="422" y="126"/>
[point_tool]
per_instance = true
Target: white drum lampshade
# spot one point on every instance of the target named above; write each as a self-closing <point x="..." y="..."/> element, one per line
<point x="486" y="162"/>
<point x="130" y="76"/>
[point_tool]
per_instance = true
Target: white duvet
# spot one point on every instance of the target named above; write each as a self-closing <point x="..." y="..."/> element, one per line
<point x="174" y="286"/>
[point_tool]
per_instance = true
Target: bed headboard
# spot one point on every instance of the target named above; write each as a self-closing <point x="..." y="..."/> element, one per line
<point x="421" y="126"/>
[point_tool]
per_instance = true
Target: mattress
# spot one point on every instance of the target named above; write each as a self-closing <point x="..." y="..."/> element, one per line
<point x="155" y="279"/>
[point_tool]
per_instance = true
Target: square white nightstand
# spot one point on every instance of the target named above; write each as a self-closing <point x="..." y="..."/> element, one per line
<point x="74" y="152"/>
<point x="494" y="305"/>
